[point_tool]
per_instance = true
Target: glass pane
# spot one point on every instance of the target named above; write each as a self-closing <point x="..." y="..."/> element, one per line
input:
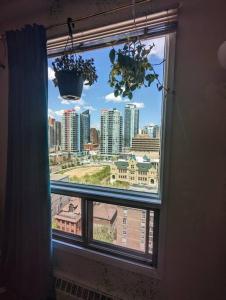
<point x="66" y="214"/>
<point x="105" y="140"/>
<point x="119" y="225"/>
<point x="151" y="226"/>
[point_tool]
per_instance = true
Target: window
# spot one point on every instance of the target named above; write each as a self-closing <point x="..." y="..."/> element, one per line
<point x="100" y="138"/>
<point x="110" y="200"/>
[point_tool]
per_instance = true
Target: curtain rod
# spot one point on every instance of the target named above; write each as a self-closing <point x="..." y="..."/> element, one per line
<point x="100" y="13"/>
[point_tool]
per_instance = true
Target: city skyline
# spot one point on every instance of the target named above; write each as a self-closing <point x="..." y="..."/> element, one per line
<point x="74" y="131"/>
<point x="123" y="148"/>
<point x="100" y="95"/>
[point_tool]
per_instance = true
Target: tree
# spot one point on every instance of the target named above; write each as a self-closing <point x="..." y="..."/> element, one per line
<point x="103" y="233"/>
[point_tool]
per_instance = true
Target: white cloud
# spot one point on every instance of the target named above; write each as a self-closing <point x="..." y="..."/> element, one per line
<point x="51" y="74"/>
<point x="85" y="86"/>
<point x="90" y="107"/>
<point x="65" y="102"/>
<point x="51" y="113"/>
<point x="111" y="98"/>
<point x="80" y="102"/>
<point x="77" y="108"/>
<point x="159" y="48"/>
<point x="138" y="104"/>
<point x="59" y="112"/>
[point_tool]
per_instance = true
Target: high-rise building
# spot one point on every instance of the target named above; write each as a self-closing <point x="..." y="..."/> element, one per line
<point x="131" y="123"/>
<point x="152" y="130"/>
<point x="51" y="122"/>
<point x="131" y="228"/>
<point x="156" y="132"/>
<point x="149" y="129"/>
<point x="70" y="131"/>
<point x="111" y="131"/>
<point x="142" y="143"/>
<point x="57" y="133"/>
<point x="54" y="132"/>
<point x="84" y="128"/>
<point x="94" y="136"/>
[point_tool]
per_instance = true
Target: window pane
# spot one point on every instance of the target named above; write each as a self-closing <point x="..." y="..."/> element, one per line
<point x="66" y="214"/>
<point x="105" y="140"/>
<point x="119" y="225"/>
<point x="151" y="226"/>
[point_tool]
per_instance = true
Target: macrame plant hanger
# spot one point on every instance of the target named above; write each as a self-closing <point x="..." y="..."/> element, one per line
<point x="71" y="26"/>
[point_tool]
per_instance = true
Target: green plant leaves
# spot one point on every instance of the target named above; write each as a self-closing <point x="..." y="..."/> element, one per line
<point x="131" y="69"/>
<point x="78" y="65"/>
<point x="112" y="55"/>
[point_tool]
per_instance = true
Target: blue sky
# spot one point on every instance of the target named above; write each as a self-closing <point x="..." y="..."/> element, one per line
<point x="100" y="95"/>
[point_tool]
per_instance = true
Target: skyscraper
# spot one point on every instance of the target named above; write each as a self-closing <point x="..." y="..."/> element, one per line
<point x="51" y="123"/>
<point x="94" y="136"/>
<point x="70" y="131"/>
<point x="54" y="133"/>
<point x="152" y="130"/>
<point x="57" y="133"/>
<point x="111" y="131"/>
<point x="149" y="129"/>
<point x="156" y="132"/>
<point x="131" y="123"/>
<point x="84" y="129"/>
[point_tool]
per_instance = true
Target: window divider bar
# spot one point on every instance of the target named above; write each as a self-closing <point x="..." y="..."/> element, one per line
<point x="90" y="221"/>
<point x="147" y="229"/>
<point x="84" y="221"/>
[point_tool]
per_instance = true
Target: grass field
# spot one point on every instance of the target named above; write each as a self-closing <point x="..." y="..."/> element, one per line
<point x="94" y="175"/>
<point x="79" y="172"/>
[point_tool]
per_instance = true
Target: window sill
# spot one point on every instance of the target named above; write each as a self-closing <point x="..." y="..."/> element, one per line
<point x="105" y="258"/>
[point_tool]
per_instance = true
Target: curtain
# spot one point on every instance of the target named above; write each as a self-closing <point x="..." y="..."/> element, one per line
<point x="27" y="225"/>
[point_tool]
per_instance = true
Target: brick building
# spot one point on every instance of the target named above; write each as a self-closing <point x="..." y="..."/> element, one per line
<point x="69" y="217"/>
<point x="131" y="228"/>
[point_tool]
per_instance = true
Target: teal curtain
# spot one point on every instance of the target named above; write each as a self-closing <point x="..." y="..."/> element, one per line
<point x="26" y="263"/>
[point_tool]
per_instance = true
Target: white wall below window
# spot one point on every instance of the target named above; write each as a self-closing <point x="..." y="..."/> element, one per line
<point x="110" y="276"/>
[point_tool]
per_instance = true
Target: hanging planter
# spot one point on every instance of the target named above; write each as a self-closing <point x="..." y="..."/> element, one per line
<point x="71" y="72"/>
<point x="131" y="69"/>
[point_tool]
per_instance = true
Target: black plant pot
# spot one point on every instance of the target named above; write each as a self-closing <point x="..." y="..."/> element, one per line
<point x="70" y="84"/>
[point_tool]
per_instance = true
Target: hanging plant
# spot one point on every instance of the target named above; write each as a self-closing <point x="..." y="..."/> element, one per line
<point x="71" y="73"/>
<point x="131" y="69"/>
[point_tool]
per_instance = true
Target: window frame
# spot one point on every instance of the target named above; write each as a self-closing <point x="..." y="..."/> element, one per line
<point x="133" y="199"/>
<point x="126" y="199"/>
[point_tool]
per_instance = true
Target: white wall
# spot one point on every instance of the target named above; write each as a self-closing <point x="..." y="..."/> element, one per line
<point x="194" y="260"/>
